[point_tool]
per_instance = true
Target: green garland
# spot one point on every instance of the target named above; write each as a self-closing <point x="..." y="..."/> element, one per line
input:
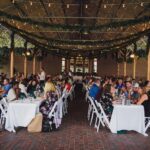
<point x="26" y="35"/>
<point x="78" y="28"/>
<point x="97" y="42"/>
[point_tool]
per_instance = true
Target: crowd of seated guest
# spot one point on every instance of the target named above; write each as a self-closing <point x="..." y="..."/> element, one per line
<point x="50" y="88"/>
<point x="105" y="90"/>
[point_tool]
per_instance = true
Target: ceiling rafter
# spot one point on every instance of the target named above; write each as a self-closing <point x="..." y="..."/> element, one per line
<point x="64" y="11"/>
<point x="97" y="12"/>
<point x="47" y="13"/>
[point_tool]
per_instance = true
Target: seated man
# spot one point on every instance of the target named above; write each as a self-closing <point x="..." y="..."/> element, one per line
<point x="13" y="93"/>
<point x="135" y="95"/>
<point x="95" y="89"/>
<point x="6" y="87"/>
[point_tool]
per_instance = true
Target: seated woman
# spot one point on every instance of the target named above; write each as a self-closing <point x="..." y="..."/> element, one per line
<point x="45" y="108"/>
<point x="67" y="85"/>
<point x="32" y="88"/>
<point x="106" y="99"/>
<point x="144" y="100"/>
<point x="13" y="93"/>
<point x="49" y="86"/>
<point x="23" y="89"/>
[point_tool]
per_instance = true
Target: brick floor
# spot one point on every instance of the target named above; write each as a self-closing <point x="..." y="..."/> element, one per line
<point x="74" y="134"/>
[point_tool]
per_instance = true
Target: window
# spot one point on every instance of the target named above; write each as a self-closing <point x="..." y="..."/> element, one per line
<point x="95" y="65"/>
<point x="63" y="64"/>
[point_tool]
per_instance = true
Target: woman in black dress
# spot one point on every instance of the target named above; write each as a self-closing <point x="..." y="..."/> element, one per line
<point x="144" y="100"/>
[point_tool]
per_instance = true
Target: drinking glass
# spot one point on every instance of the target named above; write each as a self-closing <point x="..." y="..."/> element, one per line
<point x="128" y="102"/>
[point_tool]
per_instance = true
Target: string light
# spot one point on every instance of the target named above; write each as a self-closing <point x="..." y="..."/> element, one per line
<point x="49" y="4"/>
<point x="68" y="6"/>
<point x="13" y="1"/>
<point x="86" y="6"/>
<point x="123" y="5"/>
<point x="142" y="4"/>
<point x="31" y="3"/>
<point x="28" y="53"/>
<point x="132" y="56"/>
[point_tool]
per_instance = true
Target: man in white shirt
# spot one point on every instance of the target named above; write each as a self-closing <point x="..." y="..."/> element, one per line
<point x="42" y="77"/>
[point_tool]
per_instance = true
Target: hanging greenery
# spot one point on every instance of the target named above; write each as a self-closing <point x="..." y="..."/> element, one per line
<point x="141" y="53"/>
<point x="4" y="37"/>
<point x="78" y="28"/>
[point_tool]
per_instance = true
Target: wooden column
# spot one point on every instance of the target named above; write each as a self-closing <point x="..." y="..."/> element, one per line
<point x="134" y="67"/>
<point x="12" y="55"/>
<point x="12" y="63"/>
<point x="90" y="65"/>
<point x="34" y="64"/>
<point x="118" y="69"/>
<point x="125" y="69"/>
<point x="40" y="64"/>
<point x="74" y="64"/>
<point x="148" y="66"/>
<point x="67" y="64"/>
<point x="25" y="65"/>
<point x="25" y="60"/>
<point x="83" y="65"/>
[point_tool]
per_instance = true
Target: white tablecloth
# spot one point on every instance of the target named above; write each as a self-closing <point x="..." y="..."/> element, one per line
<point x="20" y="113"/>
<point x="126" y="117"/>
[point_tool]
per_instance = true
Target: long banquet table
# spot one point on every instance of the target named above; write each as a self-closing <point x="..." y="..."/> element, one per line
<point x="128" y="117"/>
<point x="20" y="113"/>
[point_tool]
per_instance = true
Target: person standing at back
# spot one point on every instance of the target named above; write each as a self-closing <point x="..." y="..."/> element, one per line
<point x="42" y="77"/>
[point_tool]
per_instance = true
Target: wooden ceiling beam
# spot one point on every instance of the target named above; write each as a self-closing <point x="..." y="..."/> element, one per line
<point x="97" y="12"/>
<point x="47" y="13"/>
<point x="64" y="11"/>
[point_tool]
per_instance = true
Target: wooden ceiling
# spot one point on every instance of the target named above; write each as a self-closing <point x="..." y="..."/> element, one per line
<point x="82" y="12"/>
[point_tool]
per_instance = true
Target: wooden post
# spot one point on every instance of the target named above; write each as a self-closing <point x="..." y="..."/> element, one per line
<point x="148" y="66"/>
<point x="67" y="64"/>
<point x="25" y="66"/>
<point x="25" y="59"/>
<point x="12" y="55"/>
<point x="40" y="65"/>
<point x="34" y="64"/>
<point x="74" y="65"/>
<point x="118" y="69"/>
<point x="83" y="65"/>
<point x="125" y="69"/>
<point x="134" y="67"/>
<point x="90" y="65"/>
<point x="12" y="63"/>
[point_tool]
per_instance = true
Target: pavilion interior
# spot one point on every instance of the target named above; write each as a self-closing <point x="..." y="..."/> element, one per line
<point x="110" y="37"/>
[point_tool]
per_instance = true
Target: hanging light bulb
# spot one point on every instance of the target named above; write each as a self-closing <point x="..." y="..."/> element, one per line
<point x="132" y="56"/>
<point x="123" y="5"/>
<point x="13" y="21"/>
<point x="31" y="3"/>
<point x="68" y="6"/>
<point x="13" y="1"/>
<point x="105" y="6"/>
<point x="28" y="53"/>
<point x="49" y="4"/>
<point x="142" y="4"/>
<point x="86" y="6"/>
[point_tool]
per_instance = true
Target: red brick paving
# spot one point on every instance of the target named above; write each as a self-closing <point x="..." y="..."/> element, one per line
<point x="74" y="134"/>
